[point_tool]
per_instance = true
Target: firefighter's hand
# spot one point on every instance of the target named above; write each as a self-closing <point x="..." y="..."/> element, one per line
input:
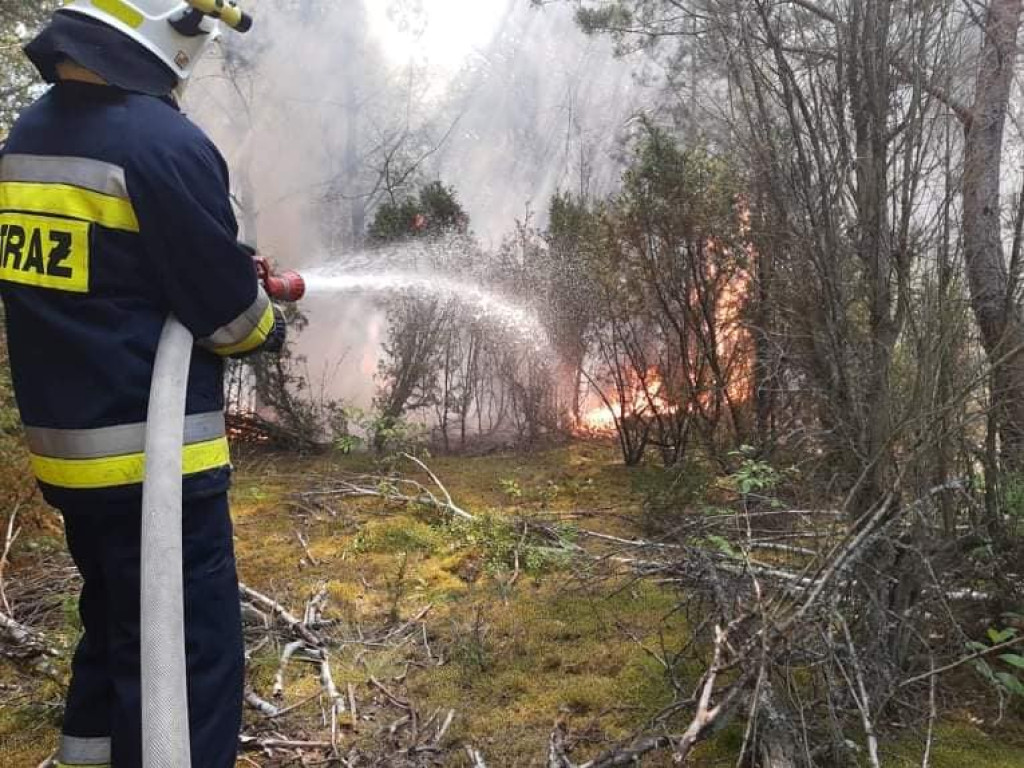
<point x="278" y="336"/>
<point x="275" y="339"/>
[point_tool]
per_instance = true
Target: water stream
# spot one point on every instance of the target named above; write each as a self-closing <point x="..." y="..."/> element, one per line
<point x="506" y="314"/>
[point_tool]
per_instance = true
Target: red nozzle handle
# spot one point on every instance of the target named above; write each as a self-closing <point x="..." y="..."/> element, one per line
<point x="287" y="286"/>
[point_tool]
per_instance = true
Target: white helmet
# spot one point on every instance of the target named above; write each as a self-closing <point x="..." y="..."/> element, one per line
<point x="152" y="24"/>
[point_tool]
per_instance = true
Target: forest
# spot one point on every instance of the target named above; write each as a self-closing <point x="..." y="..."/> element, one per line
<point x="658" y="398"/>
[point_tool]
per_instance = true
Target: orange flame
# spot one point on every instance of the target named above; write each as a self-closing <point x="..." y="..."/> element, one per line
<point x="643" y="398"/>
<point x="734" y="350"/>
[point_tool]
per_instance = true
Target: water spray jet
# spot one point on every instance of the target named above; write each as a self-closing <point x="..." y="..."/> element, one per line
<point x="504" y="312"/>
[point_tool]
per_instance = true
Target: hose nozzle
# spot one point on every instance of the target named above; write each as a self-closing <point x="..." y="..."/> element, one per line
<point x="286" y="286"/>
<point x="226" y="11"/>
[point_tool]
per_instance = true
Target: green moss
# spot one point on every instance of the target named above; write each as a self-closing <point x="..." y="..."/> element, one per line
<point x="551" y="654"/>
<point x="643" y="685"/>
<point x="722" y="748"/>
<point x="959" y="745"/>
<point x="28" y="724"/>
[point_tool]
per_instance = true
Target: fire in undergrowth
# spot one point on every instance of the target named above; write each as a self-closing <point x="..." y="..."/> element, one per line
<point x="642" y="397"/>
<point x="717" y="377"/>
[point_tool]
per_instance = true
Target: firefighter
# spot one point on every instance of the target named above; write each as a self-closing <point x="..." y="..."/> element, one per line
<point x="115" y="213"/>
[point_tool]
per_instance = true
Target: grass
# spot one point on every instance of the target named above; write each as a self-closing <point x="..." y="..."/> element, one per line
<point x="518" y="658"/>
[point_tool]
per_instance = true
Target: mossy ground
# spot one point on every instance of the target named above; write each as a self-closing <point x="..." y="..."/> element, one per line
<point x="519" y="657"/>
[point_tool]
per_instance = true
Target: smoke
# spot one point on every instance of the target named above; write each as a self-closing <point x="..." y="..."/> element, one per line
<point x="321" y="118"/>
<point x="544" y="110"/>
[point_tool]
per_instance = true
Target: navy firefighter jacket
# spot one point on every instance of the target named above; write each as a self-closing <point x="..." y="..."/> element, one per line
<point x="115" y="213"/>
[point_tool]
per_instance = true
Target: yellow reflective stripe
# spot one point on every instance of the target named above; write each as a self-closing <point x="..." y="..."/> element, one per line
<point x="117" y="440"/>
<point x="240" y="327"/>
<point x="45" y="252"/>
<point x="253" y="340"/>
<point x="115" y="471"/>
<point x="121" y="11"/>
<point x="69" y="201"/>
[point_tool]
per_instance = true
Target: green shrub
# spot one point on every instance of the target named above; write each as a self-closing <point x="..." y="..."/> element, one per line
<point x="669" y="494"/>
<point x="499" y="539"/>
<point x="395" y="536"/>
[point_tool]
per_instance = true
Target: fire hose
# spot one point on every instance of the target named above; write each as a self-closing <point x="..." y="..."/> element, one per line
<point x="165" y="731"/>
<point x="165" y="727"/>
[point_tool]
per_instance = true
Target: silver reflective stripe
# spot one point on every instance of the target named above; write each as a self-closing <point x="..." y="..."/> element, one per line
<point x="83" y="172"/>
<point x="238" y="330"/>
<point x="121" y="440"/>
<point x="78" y="751"/>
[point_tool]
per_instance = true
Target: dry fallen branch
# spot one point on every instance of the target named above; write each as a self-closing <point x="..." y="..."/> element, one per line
<point x="30" y="649"/>
<point x="261" y="742"/>
<point x="443" y="729"/>
<point x="19" y="634"/>
<point x="253" y="615"/>
<point x="335" y="702"/>
<point x="557" y="757"/>
<point x="262" y="706"/>
<point x="312" y="616"/>
<point x="393" y="489"/>
<point x="9" y="539"/>
<point x="291" y="708"/>
<point x="352" y="706"/>
<point x="476" y="759"/>
<point x="861" y="693"/>
<point x="405" y="626"/>
<point x="707" y="713"/>
<point x="305" y="548"/>
<point x="287" y="652"/>
<point x="965" y="660"/>
<point x="763" y="633"/>
<point x="281" y="612"/>
<point x="395" y="700"/>
<point x="451" y="505"/>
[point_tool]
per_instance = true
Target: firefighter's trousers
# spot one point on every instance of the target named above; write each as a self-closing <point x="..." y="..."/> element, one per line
<point x="102" y="723"/>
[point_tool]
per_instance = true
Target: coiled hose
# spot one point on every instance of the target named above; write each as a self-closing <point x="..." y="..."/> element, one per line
<point x="165" y="732"/>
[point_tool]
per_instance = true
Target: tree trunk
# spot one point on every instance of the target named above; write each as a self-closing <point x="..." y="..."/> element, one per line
<point x="763" y="369"/>
<point x="944" y="449"/>
<point x="870" y="90"/>
<point x="1002" y="331"/>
